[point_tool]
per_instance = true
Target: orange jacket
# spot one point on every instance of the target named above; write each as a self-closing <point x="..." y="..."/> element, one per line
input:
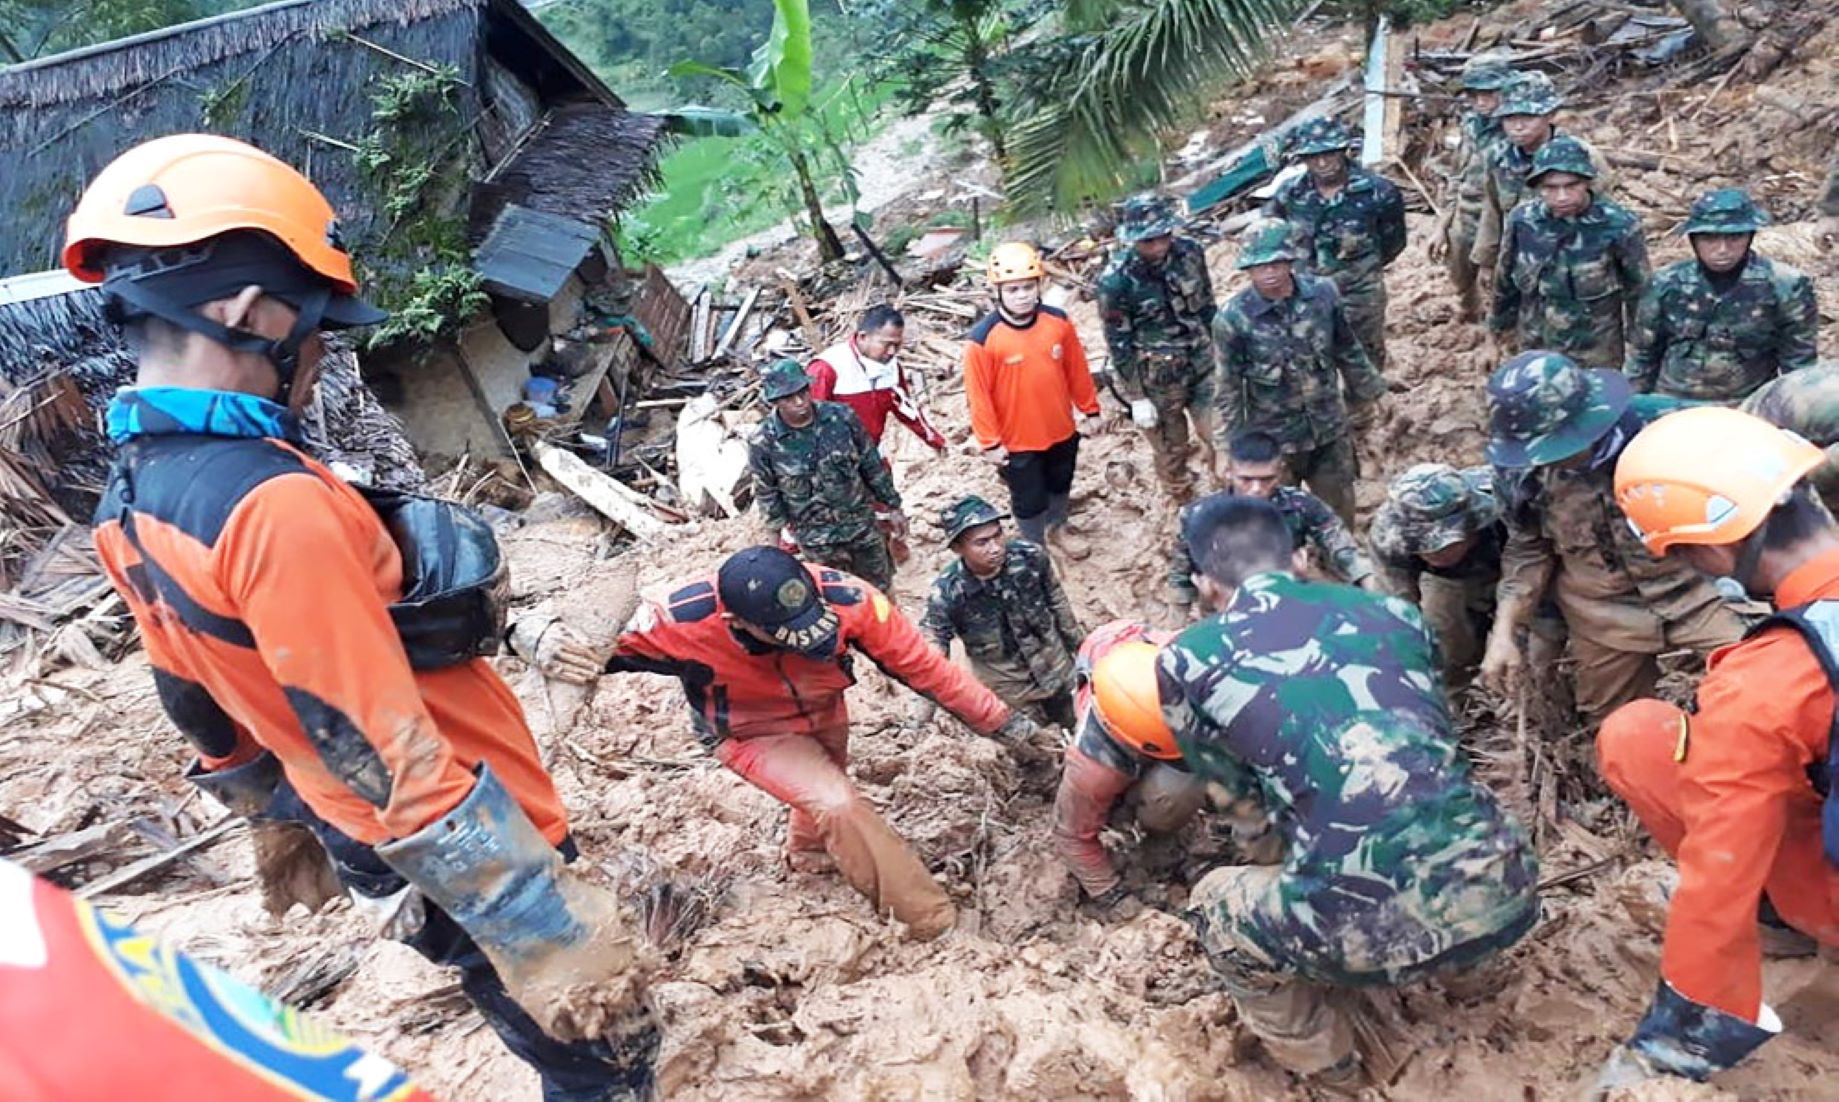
<point x="741" y="689"/>
<point x="265" y="614"/>
<point x="1765" y="716"/>
<point x="1023" y="382"/>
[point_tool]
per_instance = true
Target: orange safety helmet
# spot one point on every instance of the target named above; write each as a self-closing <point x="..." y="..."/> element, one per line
<point x="1129" y="704"/>
<point x="1708" y="475"/>
<point x="185" y="188"/>
<point x="1013" y="261"/>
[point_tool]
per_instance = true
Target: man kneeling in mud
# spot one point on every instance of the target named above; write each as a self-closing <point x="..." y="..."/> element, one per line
<point x="1325" y="702"/>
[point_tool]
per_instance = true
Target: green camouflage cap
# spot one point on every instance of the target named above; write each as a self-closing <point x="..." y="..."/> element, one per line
<point x="966" y="513"/>
<point x="1147" y="216"/>
<point x="782" y="379"/>
<point x="1437" y="506"/>
<point x="1545" y="408"/>
<point x="1320" y="135"/>
<point x="1266" y="241"/>
<point x="1562" y="154"/>
<point x="1528" y="94"/>
<point x="1725" y="210"/>
<point x="1487" y="72"/>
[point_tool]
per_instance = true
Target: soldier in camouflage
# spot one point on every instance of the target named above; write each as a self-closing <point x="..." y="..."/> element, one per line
<point x="1325" y="549"/>
<point x="1828" y="229"/>
<point x="1002" y="599"/>
<point x="1716" y="327"/>
<point x="1556" y="433"/>
<point x="1806" y="402"/>
<point x="1349" y="225"/>
<point x="1529" y="104"/>
<point x="1483" y="77"/>
<point x="1286" y="354"/>
<point x="1323" y="702"/>
<point x="1572" y="265"/>
<point x="817" y="478"/>
<point x="1156" y="301"/>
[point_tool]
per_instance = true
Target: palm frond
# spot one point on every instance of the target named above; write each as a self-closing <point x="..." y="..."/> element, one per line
<point x="1146" y="70"/>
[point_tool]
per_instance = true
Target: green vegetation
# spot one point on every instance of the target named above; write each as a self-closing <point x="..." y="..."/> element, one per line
<point x="39" y="28"/>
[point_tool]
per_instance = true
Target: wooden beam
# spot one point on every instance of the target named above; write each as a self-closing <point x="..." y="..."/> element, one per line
<point x="734" y="327"/>
<point x="621" y="504"/>
<point x="128" y="874"/>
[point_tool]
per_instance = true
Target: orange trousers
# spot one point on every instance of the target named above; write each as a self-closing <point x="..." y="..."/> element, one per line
<point x="808" y="773"/>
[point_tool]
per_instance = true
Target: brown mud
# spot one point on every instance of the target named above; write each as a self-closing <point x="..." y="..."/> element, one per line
<point x="793" y="990"/>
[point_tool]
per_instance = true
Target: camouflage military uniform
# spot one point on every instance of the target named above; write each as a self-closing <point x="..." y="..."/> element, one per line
<point x="1018" y="628"/>
<point x="1313" y="526"/>
<point x="1479" y="135"/>
<point x="1807" y="402"/>
<point x="1428" y="508"/>
<point x="1567" y="539"/>
<point x="1157" y="320"/>
<point x="1349" y="237"/>
<point x="1323" y="702"/>
<point x="823" y="481"/>
<point x="1569" y="284"/>
<point x="1283" y="365"/>
<point x="1504" y="182"/>
<point x="1717" y="338"/>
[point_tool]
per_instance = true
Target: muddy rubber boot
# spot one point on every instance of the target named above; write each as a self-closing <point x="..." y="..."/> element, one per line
<point x="1061" y="535"/>
<point x="1033" y="529"/>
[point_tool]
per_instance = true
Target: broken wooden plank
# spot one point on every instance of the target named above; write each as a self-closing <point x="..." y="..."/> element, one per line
<point x="734" y="327"/>
<point x="127" y="875"/>
<point x="59" y="850"/>
<point x="1373" y="119"/>
<point x="621" y="504"/>
<point x="800" y="310"/>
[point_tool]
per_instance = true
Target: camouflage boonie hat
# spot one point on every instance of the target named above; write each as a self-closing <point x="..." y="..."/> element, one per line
<point x="1146" y="216"/>
<point x="966" y="513"/>
<point x="1725" y="210"/>
<point x="1528" y="94"/>
<point x="1488" y="72"/>
<point x="1266" y="241"/>
<point x="1562" y="154"/>
<point x="782" y="379"/>
<point x="1545" y="408"/>
<point x="1319" y="136"/>
<point x="1436" y="507"/>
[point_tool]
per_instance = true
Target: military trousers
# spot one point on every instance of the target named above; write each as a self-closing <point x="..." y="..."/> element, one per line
<point x="1185" y="415"/>
<point x="867" y="557"/>
<point x="1364" y="300"/>
<point x="1460" y="612"/>
<point x="1610" y="674"/>
<point x="808" y="773"/>
<point x="1330" y="471"/>
<point x="1460" y="237"/>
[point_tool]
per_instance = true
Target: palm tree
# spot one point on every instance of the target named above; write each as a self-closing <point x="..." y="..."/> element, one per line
<point x="1121" y="73"/>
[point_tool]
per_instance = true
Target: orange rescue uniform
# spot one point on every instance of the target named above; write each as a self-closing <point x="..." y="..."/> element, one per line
<point x="1728" y="792"/>
<point x="1023" y="382"/>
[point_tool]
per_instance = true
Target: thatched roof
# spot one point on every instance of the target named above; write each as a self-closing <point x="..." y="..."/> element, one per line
<point x="297" y="78"/>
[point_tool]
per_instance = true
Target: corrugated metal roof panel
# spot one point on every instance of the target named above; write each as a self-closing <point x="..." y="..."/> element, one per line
<point x="529" y="254"/>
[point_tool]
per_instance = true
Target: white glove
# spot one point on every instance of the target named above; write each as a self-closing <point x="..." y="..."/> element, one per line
<point x="1143" y="413"/>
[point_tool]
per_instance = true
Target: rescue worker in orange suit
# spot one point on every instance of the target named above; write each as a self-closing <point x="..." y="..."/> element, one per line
<point x="1121" y="742"/>
<point x="286" y="640"/>
<point x="863" y="372"/>
<point x="1740" y="789"/>
<point x="155" y="1024"/>
<point x="763" y="649"/>
<point x="1024" y="374"/>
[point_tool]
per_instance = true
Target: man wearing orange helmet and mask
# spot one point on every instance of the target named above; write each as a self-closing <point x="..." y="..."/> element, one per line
<point x="1739" y="791"/>
<point x="1120" y="742"/>
<point x="1024" y="374"/>
<point x="288" y="630"/>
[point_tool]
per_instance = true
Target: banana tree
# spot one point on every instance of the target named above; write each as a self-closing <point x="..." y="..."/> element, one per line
<point x="777" y="85"/>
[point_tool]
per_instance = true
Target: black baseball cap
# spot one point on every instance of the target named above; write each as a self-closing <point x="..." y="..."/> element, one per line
<point x="771" y="590"/>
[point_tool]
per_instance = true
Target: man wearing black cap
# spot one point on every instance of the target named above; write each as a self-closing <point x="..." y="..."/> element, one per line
<point x="763" y="651"/>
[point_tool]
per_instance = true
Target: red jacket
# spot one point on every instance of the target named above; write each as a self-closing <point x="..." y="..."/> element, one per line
<point x="741" y="689"/>
<point x="871" y="388"/>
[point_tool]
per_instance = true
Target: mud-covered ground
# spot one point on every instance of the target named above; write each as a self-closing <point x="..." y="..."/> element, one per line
<point x="793" y="990"/>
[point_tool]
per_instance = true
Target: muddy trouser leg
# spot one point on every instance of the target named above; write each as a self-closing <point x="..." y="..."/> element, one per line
<point x="1450" y="610"/>
<point x="1608" y="678"/>
<point x="1025" y="473"/>
<point x="1168" y="441"/>
<point x="1056" y="709"/>
<point x="1167" y="798"/>
<point x="1294" y="1019"/>
<point x="1330" y="472"/>
<point x="1203" y="410"/>
<point x="1462" y="270"/>
<point x="1088" y="788"/>
<point x="578" y="1071"/>
<point x="807" y="773"/>
<point x="1366" y="316"/>
<point x="867" y="558"/>
<point x="1059" y="464"/>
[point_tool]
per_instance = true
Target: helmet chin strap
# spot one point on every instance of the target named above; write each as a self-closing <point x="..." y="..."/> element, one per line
<point x="283" y="354"/>
<point x="1749" y="555"/>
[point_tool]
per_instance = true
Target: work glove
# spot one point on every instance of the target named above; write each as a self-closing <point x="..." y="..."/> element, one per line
<point x="1502" y="664"/>
<point x="555" y="650"/>
<point x="291" y="867"/>
<point x="997" y="456"/>
<point x="921" y="711"/>
<point x="1018" y="728"/>
<point x="787" y="541"/>
<point x="1826" y="233"/>
<point x="1143" y="413"/>
<point x="566" y="950"/>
